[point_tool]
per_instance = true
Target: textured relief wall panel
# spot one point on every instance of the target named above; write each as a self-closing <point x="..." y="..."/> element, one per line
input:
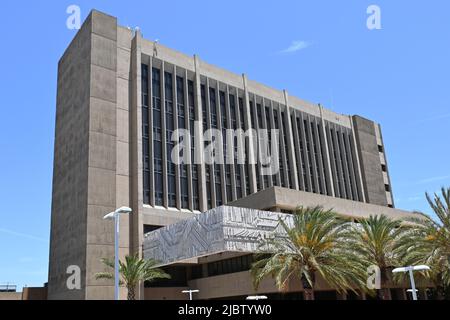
<point x="217" y="230"/>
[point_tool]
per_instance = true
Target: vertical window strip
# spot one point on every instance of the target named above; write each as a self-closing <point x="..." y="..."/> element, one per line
<point x="157" y="136"/>
<point x="214" y="125"/>
<point x="183" y="168"/>
<point x="234" y="127"/>
<point x="171" y="169"/>
<point x="145" y="134"/>
<point x="194" y="167"/>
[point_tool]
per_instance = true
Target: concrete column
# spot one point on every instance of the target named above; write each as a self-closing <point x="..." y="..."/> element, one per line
<point x="164" y="136"/>
<point x="321" y="172"/>
<point x="230" y="144"/>
<point x="339" y="169"/>
<point x="345" y="171"/>
<point x="328" y="172"/>
<point x="280" y="145"/>
<point x="296" y="135"/>
<point x="291" y="143"/>
<point x="351" y="166"/>
<point x="199" y="147"/>
<point x="150" y="132"/>
<point x="240" y="167"/>
<point x="358" y="162"/>
<point x="251" y="138"/>
<point x="309" y="181"/>
<point x="219" y="127"/>
<point x="312" y="159"/>
<point x="188" y="128"/>
<point x="332" y="153"/>
<point x="283" y="147"/>
<point x="208" y="126"/>
<point x="175" y="126"/>
<point x="136" y="187"/>
<point x="266" y="126"/>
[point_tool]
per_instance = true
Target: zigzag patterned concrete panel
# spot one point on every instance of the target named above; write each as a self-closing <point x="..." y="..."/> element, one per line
<point x="218" y="230"/>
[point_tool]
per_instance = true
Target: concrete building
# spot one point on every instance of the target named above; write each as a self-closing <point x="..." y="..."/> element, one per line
<point x="119" y="99"/>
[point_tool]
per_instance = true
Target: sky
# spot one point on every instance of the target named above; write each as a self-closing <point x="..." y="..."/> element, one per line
<point x="320" y="51"/>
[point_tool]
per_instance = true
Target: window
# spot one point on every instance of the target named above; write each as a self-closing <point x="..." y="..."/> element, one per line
<point x="214" y="125"/>
<point x="182" y="125"/>
<point x="171" y="188"/>
<point x="145" y="135"/>
<point x="237" y="167"/>
<point x="309" y="154"/>
<point x="157" y="136"/>
<point x="194" y="167"/>
<point x="322" y="154"/>
<point x="246" y="165"/>
<point x="254" y="126"/>
<point x="387" y="188"/>
<point x="224" y="123"/>
<point x="280" y="156"/>
<point x="289" y="182"/>
<point x="383" y="168"/>
<point x="380" y="148"/>
<point x="269" y="128"/>
<point x="149" y="228"/>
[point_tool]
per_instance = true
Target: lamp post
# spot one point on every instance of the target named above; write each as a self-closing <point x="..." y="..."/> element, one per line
<point x="190" y="292"/>
<point x="115" y="215"/>
<point x="410" y="270"/>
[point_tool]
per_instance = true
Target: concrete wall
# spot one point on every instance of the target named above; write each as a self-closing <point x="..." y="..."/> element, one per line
<point x="85" y="166"/>
<point x="34" y="293"/>
<point x="70" y="171"/>
<point x="10" y="296"/>
<point x="277" y="198"/>
<point x="369" y="156"/>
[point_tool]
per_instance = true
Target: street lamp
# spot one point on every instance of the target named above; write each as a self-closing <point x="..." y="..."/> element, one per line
<point x="410" y="269"/>
<point x="256" y="298"/>
<point x="115" y="215"/>
<point x="190" y="292"/>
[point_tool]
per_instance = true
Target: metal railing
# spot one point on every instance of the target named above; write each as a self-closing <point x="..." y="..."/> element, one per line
<point x="8" y="287"/>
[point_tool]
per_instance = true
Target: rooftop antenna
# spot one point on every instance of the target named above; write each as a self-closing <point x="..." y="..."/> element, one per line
<point x="136" y="29"/>
<point x="155" y="49"/>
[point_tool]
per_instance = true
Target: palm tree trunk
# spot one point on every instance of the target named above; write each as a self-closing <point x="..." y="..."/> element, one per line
<point x="385" y="293"/>
<point x="131" y="293"/>
<point x="440" y="293"/>
<point x="308" y="289"/>
<point x="308" y="294"/>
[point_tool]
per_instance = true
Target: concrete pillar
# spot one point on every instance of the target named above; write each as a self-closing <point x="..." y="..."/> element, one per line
<point x="251" y="138"/>
<point x="291" y="143"/>
<point x="199" y="147"/>
<point x="328" y="172"/>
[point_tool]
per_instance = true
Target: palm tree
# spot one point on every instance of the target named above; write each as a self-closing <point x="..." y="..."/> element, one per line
<point x="133" y="271"/>
<point x="428" y="242"/>
<point x="374" y="240"/>
<point x="314" y="245"/>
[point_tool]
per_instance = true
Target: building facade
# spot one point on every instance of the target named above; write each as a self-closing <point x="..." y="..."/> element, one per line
<point x="121" y="97"/>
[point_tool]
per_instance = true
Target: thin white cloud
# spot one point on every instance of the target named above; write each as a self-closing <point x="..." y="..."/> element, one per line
<point x="434" y="118"/>
<point x="25" y="259"/>
<point x="433" y="179"/>
<point x="22" y="235"/>
<point x="295" y="46"/>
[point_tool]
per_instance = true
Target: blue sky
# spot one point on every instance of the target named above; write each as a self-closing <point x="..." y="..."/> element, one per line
<point x="320" y="51"/>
